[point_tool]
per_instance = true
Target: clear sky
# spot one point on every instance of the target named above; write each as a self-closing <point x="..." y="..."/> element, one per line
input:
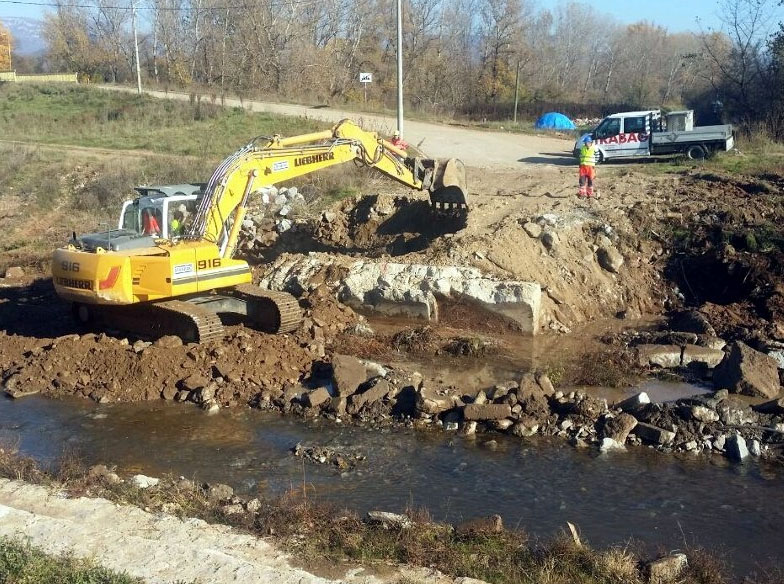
<point x="675" y="15"/>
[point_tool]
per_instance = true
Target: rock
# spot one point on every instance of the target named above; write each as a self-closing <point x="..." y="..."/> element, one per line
<point x="431" y="401"/>
<point x="144" y="482"/>
<point x="169" y="392"/>
<point x="666" y="356"/>
<point x="284" y="210"/>
<point x="704" y="355"/>
<point x="550" y="240"/>
<point x="667" y="570"/>
<point x="492" y="524"/>
<point x="736" y="447"/>
<point x="608" y="444"/>
<point x="720" y="442"/>
<point x="338" y="405"/>
<point x="524" y="428"/>
<point x="755" y="448"/>
<point x="610" y="259"/>
<point x="467" y="429"/>
<point x="375" y="369"/>
<point x="746" y="371"/>
<point x="653" y="434"/>
<point x="253" y="506"/>
<point x="219" y="492"/>
<point x="168" y="342"/>
<point x="711" y="342"/>
<point x="544" y="382"/>
<point x="283" y="225"/>
<point x="233" y="509"/>
<point x="193" y="382"/>
<point x="14" y="272"/>
<point x="703" y="414"/>
<point x="100" y="471"/>
<point x="778" y="355"/>
<point x="691" y="321"/>
<point x="775" y="406"/>
<point x="315" y="398"/>
<point x="532" y="229"/>
<point x="348" y="373"/>
<point x="487" y="411"/>
<point x="389" y="520"/>
<point x="281" y="200"/>
<point x="634" y="402"/>
<point x="734" y="414"/>
<point x="502" y="425"/>
<point x="375" y="393"/>
<point x="619" y="427"/>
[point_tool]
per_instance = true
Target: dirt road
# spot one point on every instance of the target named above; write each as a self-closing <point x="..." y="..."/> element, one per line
<point x="474" y="147"/>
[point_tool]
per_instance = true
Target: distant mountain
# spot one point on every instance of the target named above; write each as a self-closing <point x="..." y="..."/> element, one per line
<point x="26" y="33"/>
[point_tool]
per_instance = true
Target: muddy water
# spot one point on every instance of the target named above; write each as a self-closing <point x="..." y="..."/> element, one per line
<point x="660" y="500"/>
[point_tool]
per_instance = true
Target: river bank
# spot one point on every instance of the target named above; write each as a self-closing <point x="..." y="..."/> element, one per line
<point x="73" y="508"/>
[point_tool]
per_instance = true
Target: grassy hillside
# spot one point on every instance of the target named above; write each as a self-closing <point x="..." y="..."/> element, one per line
<point x="83" y="116"/>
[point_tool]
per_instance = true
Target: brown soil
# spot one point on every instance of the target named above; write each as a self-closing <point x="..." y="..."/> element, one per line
<point x="689" y="239"/>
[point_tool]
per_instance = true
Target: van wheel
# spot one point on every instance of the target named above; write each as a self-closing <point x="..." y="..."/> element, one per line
<point x="696" y="152"/>
<point x="599" y="157"/>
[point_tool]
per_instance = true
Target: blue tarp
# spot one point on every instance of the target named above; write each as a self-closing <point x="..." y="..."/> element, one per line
<point x="554" y="121"/>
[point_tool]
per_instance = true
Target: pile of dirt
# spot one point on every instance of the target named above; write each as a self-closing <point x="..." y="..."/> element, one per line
<point x="112" y="368"/>
<point x="105" y="368"/>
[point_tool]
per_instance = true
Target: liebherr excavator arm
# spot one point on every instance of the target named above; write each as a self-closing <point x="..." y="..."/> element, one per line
<point x="148" y="278"/>
<point x="273" y="160"/>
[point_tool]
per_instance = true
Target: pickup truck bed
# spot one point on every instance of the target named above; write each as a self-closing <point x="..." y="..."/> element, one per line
<point x="664" y="142"/>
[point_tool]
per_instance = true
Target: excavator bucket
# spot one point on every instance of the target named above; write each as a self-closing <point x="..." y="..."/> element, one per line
<point x="448" y="189"/>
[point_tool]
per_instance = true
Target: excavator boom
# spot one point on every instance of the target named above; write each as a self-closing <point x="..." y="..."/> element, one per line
<point x="275" y="160"/>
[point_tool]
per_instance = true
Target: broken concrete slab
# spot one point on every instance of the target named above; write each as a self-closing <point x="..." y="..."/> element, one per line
<point x="703" y="355"/>
<point x="653" y="434"/>
<point x="348" y="373"/>
<point x="372" y="394"/>
<point x="410" y="289"/>
<point x="666" y="356"/>
<point x="487" y="411"/>
<point x="746" y="371"/>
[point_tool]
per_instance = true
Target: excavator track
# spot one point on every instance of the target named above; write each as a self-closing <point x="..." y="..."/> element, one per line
<point x="191" y="322"/>
<point x="270" y="311"/>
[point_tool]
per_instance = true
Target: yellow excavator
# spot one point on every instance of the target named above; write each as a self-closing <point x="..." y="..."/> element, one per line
<point x="168" y="267"/>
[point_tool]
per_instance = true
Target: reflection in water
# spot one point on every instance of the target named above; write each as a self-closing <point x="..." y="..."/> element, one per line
<point x="538" y="485"/>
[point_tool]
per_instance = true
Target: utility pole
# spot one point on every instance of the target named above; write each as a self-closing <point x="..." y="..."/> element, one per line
<point x="399" y="67"/>
<point x="136" y="48"/>
<point x="517" y="89"/>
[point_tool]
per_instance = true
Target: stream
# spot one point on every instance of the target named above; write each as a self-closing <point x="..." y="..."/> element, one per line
<point x="657" y="500"/>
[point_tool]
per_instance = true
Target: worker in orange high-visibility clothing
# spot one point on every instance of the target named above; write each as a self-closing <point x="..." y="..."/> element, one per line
<point x="587" y="167"/>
